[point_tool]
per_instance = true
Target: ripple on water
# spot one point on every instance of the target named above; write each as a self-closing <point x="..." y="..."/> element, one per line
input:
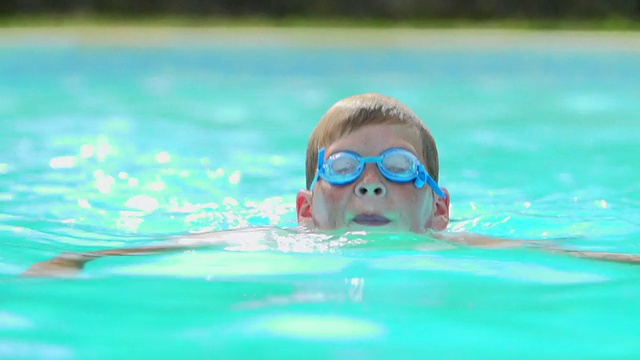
<point x="319" y="327"/>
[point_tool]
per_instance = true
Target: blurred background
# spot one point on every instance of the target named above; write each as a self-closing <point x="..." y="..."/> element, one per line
<point x="539" y="13"/>
<point x="124" y="123"/>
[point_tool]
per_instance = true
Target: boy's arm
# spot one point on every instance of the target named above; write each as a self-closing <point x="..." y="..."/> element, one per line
<point x="597" y="255"/>
<point x="477" y="241"/>
<point x="69" y="264"/>
<point x="481" y="241"/>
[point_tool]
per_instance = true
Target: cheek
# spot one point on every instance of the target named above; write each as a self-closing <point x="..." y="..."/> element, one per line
<point x="412" y="199"/>
<point x="407" y="192"/>
<point x="335" y="195"/>
<point x="328" y="203"/>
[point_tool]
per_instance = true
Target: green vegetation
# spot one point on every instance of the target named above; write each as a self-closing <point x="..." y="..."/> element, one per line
<point x="607" y="24"/>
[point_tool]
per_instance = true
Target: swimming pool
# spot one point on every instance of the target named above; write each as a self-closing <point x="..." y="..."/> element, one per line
<point x="118" y="144"/>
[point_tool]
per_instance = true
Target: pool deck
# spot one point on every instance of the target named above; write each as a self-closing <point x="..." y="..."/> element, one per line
<point x="402" y="38"/>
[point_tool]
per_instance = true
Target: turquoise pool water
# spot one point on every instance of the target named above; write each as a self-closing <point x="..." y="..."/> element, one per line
<point x="108" y="146"/>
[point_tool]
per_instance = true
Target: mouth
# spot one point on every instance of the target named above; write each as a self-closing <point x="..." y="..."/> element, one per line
<point x="371" y="220"/>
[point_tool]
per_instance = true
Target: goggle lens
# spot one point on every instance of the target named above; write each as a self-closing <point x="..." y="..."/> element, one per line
<point x="400" y="163"/>
<point x="343" y="164"/>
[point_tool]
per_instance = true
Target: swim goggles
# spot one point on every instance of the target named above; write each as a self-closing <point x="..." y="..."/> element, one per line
<point x="396" y="164"/>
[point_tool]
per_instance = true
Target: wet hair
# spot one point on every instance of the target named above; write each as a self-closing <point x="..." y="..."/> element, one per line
<point x="356" y="112"/>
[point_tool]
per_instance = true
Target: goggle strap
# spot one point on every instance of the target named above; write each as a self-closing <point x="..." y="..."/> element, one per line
<point x="313" y="183"/>
<point x="436" y="188"/>
<point x="424" y="178"/>
<point x="320" y="166"/>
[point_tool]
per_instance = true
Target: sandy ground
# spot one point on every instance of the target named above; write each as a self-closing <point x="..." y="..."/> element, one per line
<point x="318" y="37"/>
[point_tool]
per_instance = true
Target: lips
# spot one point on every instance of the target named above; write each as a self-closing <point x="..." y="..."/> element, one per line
<point x="371" y="220"/>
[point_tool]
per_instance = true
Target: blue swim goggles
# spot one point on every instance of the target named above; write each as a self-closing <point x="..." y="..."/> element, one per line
<point x="396" y="164"/>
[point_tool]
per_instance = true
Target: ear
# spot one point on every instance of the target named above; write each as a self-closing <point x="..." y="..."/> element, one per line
<point x="303" y="207"/>
<point x="440" y="217"/>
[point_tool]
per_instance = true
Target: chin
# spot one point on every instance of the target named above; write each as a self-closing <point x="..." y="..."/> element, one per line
<point x="374" y="227"/>
<point x="419" y="230"/>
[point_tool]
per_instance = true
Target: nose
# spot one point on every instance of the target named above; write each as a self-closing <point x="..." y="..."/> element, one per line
<point x="370" y="184"/>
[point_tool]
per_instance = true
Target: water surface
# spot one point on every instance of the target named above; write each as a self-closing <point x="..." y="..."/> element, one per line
<point x="109" y="145"/>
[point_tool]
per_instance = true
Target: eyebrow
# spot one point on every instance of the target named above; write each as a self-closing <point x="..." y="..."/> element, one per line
<point x="413" y="151"/>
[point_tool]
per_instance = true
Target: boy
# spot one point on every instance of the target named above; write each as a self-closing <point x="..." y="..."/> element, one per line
<point x="371" y="164"/>
<point x="345" y="189"/>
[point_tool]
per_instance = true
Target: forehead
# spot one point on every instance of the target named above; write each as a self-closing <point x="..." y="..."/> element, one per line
<point x="371" y="140"/>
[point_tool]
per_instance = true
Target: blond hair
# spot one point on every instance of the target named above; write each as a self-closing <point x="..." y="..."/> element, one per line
<point x="355" y="112"/>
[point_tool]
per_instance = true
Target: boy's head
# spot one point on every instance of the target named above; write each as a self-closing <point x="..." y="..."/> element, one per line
<point x="368" y="125"/>
<point x="356" y="112"/>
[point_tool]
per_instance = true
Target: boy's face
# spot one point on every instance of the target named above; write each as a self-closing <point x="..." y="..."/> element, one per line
<point x="372" y="201"/>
